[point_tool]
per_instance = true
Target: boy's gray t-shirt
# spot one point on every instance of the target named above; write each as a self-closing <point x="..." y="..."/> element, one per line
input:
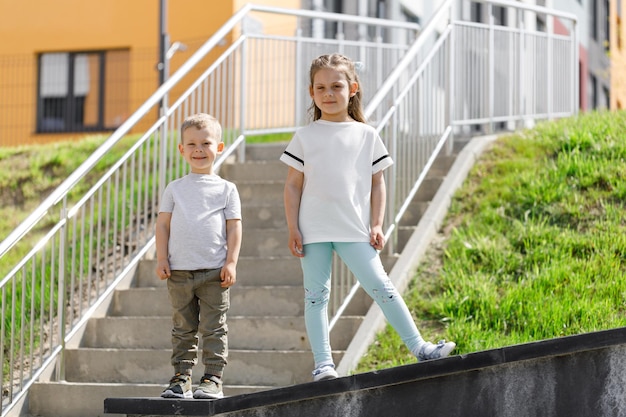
<point x="200" y="205"/>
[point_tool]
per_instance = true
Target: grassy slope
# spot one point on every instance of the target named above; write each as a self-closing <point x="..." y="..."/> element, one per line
<point x="534" y="246"/>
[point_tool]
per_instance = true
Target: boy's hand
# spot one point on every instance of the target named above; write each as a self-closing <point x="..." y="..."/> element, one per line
<point x="163" y="269"/>
<point x="228" y="275"/>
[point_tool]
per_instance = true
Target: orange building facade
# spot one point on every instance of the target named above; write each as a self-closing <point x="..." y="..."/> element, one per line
<point x="73" y="67"/>
<point x="618" y="54"/>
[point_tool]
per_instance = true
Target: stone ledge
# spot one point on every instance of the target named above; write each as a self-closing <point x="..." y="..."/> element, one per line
<point x="574" y="375"/>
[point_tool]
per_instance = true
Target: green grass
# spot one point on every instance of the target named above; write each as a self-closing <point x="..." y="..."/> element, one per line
<point x="533" y="247"/>
<point x="268" y="138"/>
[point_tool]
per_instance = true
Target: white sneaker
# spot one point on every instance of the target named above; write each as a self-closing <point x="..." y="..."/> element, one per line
<point x="324" y="372"/>
<point x="430" y="351"/>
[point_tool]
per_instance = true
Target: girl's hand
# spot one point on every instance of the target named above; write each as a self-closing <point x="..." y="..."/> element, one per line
<point x="377" y="238"/>
<point x="295" y="244"/>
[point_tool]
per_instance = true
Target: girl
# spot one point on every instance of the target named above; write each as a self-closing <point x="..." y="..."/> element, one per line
<point x="335" y="201"/>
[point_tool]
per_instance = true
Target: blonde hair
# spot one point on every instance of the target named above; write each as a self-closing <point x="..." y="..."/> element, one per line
<point x="343" y="64"/>
<point x="202" y="121"/>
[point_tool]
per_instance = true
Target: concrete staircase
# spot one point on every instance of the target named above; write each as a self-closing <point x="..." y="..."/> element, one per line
<point x="125" y="352"/>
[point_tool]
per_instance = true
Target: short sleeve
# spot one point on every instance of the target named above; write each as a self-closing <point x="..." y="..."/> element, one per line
<point x="293" y="154"/>
<point x="233" y="204"/>
<point x="381" y="157"/>
<point x="167" y="200"/>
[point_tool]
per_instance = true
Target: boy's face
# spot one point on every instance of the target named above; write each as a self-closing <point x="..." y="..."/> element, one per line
<point x="200" y="148"/>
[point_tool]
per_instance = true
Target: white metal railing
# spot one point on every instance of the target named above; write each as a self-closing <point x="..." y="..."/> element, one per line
<point x="458" y="76"/>
<point x="96" y="230"/>
<point x="421" y="91"/>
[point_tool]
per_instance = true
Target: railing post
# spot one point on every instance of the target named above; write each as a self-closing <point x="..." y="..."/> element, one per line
<point x="60" y="374"/>
<point x="451" y="75"/>
<point x="549" y="67"/>
<point x="491" y="68"/>
<point x="379" y="67"/>
<point x="163" y="154"/>
<point x="575" y="71"/>
<point x="520" y="91"/>
<point x="299" y="94"/>
<point x="242" y="94"/>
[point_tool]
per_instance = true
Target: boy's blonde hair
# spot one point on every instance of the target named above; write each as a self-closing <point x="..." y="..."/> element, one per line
<point x="343" y="64"/>
<point x="202" y="121"/>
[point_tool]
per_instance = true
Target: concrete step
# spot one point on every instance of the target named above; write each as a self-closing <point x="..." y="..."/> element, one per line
<point x="404" y="234"/>
<point x="264" y="243"/>
<point x="271" y="333"/>
<point x="256" y="216"/>
<point x="414" y="213"/>
<point x="244" y="301"/>
<point x="428" y="189"/>
<point x="265" y="151"/>
<point x="275" y="368"/>
<point x="442" y="165"/>
<point x="271" y="243"/>
<point x="50" y="399"/>
<point x="258" y="170"/>
<point x="269" y="270"/>
<point x="261" y="192"/>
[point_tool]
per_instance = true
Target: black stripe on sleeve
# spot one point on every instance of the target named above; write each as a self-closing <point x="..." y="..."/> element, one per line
<point x="294" y="157"/>
<point x="380" y="159"/>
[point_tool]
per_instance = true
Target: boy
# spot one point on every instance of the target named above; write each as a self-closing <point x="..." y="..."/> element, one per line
<point x="198" y="239"/>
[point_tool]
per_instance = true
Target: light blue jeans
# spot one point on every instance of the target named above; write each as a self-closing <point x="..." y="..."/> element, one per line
<point x="364" y="262"/>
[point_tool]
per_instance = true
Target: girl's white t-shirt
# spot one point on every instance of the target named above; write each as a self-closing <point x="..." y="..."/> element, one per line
<point x="338" y="160"/>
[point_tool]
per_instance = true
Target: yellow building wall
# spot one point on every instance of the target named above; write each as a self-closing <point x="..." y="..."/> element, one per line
<point x="618" y="54"/>
<point x="127" y="30"/>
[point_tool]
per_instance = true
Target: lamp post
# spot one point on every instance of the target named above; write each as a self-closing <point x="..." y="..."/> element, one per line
<point x="163" y="41"/>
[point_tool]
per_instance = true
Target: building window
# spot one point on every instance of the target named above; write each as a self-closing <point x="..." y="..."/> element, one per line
<point x="499" y="14"/>
<point x="476" y="12"/>
<point x="606" y="19"/>
<point x="606" y="95"/>
<point x="540" y="21"/>
<point x="593" y="85"/>
<point x="82" y="91"/>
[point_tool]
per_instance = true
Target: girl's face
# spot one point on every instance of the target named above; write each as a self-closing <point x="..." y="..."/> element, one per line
<point x="331" y="93"/>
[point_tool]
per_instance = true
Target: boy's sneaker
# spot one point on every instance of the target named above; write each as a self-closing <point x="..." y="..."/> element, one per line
<point x="180" y="387"/>
<point x="210" y="387"/>
<point x="324" y="372"/>
<point x="430" y="351"/>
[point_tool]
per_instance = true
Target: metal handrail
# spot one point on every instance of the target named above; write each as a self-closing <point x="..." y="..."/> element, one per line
<point x="404" y="70"/>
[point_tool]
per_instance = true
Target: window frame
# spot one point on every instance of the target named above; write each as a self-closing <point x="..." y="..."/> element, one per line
<point x="71" y="107"/>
